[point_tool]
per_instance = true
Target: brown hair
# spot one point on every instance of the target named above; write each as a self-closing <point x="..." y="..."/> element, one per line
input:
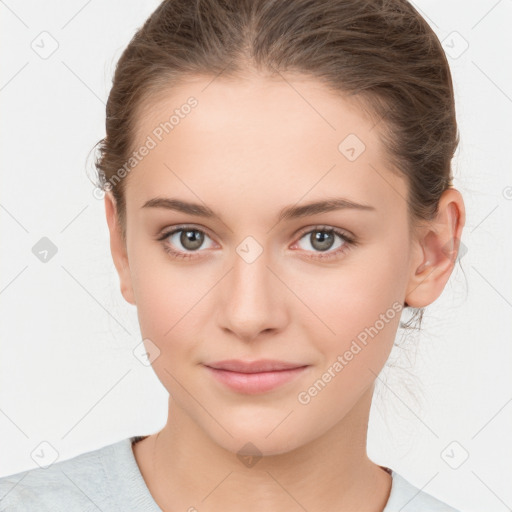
<point x="380" y="53"/>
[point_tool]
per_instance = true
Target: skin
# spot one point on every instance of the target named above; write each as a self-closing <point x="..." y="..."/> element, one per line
<point x="251" y="147"/>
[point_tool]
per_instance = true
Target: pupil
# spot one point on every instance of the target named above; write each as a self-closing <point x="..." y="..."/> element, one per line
<point x="322" y="240"/>
<point x="191" y="239"/>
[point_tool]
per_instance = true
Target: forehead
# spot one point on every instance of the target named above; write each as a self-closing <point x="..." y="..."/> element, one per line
<point x="289" y="136"/>
<point x="256" y="111"/>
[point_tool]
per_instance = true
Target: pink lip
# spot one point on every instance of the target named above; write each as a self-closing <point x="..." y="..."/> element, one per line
<point x="254" y="377"/>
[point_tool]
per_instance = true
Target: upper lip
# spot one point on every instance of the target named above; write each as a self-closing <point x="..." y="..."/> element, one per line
<point x="261" y="365"/>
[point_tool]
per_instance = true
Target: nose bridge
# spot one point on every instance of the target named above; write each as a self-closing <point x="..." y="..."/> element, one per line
<point x="250" y="276"/>
<point x="252" y="296"/>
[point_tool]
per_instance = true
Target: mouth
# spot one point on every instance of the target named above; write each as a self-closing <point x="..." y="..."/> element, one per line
<point x="254" y="377"/>
<point x="258" y="366"/>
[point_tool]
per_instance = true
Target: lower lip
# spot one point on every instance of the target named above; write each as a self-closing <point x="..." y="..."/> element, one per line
<point x="254" y="383"/>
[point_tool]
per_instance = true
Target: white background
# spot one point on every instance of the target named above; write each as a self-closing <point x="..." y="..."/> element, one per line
<point x="67" y="372"/>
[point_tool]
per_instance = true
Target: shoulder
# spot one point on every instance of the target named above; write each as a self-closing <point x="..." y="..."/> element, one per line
<point x="405" y="497"/>
<point x="80" y="483"/>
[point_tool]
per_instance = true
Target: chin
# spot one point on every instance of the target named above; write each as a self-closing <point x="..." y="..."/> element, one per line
<point x="257" y="440"/>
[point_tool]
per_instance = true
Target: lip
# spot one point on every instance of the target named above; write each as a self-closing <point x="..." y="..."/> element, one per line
<point x="258" y="366"/>
<point x="254" y="377"/>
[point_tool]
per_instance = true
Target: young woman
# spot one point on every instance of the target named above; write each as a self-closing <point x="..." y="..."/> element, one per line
<point x="278" y="189"/>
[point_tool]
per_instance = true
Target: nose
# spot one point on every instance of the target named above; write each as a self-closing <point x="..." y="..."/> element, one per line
<point x="252" y="300"/>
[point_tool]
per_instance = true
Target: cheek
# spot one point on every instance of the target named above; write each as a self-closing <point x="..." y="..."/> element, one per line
<point x="357" y="309"/>
<point x="168" y="295"/>
<point x="352" y="296"/>
<point x="360" y="315"/>
<point x="168" y="310"/>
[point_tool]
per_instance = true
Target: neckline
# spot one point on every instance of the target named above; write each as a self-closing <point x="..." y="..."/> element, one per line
<point x="148" y="497"/>
<point x="387" y="470"/>
<point x="136" y="439"/>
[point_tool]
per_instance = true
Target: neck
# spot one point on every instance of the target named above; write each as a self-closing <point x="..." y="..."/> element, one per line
<point x="184" y="468"/>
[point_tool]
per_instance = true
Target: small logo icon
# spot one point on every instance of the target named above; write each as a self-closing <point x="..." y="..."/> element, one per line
<point x="146" y="352"/>
<point x="44" y="454"/>
<point x="249" y="249"/>
<point x="45" y="45"/>
<point x="98" y="193"/>
<point x="249" y="455"/>
<point x="507" y="192"/>
<point x="44" y="250"/>
<point x="351" y="147"/>
<point x="455" y="455"/>
<point x="454" y="45"/>
<point x="450" y="248"/>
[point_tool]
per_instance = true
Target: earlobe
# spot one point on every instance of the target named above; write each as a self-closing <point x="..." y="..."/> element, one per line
<point x="118" y="249"/>
<point x="436" y="251"/>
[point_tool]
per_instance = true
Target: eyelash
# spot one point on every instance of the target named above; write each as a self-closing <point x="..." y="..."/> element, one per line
<point x="349" y="242"/>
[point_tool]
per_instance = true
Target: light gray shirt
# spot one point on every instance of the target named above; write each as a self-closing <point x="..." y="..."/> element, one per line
<point x="109" y="480"/>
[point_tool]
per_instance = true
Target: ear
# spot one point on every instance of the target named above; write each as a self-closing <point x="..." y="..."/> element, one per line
<point x="436" y="250"/>
<point x="118" y="249"/>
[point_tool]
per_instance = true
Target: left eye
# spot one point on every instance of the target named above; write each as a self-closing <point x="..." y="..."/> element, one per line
<point x="321" y="240"/>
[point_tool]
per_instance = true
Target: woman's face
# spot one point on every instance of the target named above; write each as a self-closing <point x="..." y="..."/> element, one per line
<point x="253" y="282"/>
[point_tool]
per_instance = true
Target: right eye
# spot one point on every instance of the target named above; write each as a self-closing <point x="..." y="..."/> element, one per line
<point x="189" y="237"/>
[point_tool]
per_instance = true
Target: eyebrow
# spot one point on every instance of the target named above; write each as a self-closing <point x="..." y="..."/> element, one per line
<point x="290" y="212"/>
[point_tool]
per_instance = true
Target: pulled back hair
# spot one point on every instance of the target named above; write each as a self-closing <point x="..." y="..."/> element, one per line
<point x="380" y="54"/>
